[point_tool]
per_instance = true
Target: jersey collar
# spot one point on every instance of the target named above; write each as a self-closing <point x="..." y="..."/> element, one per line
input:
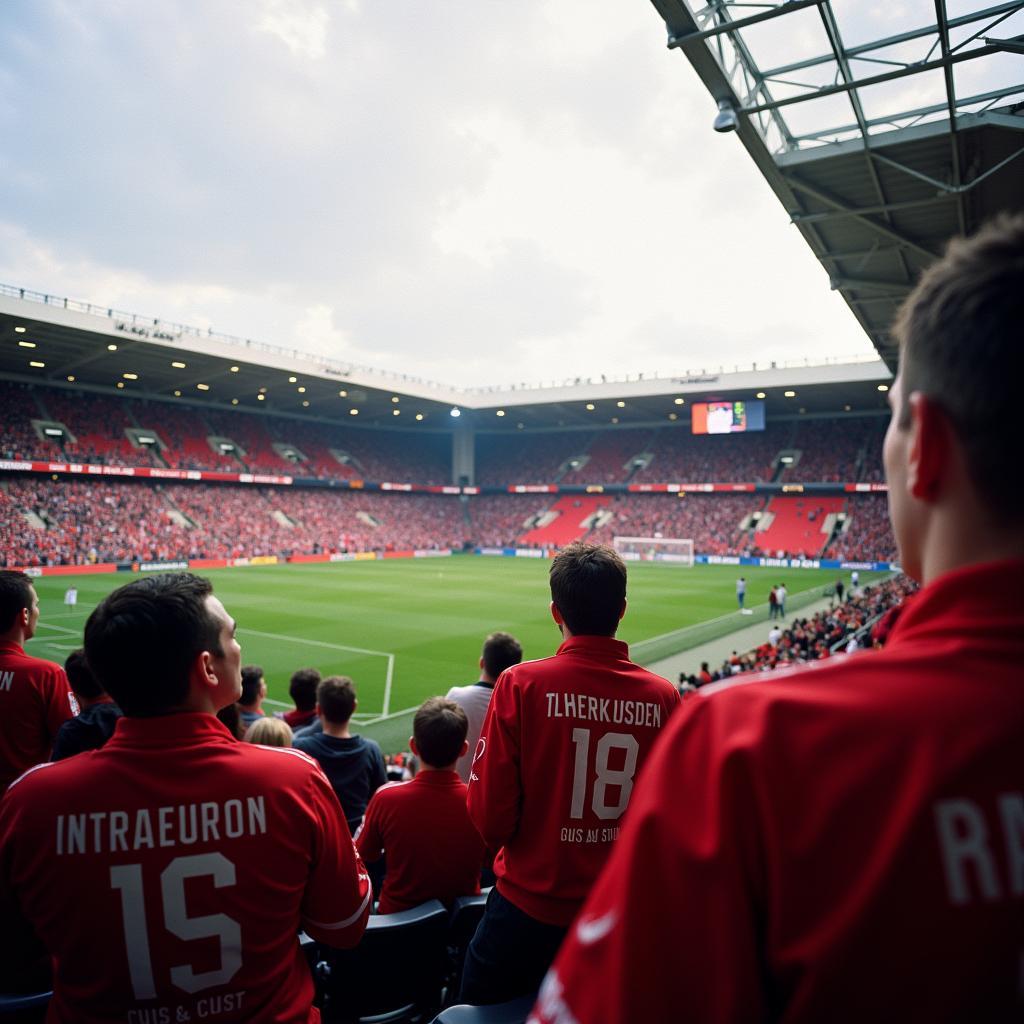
<point x="601" y="646"/>
<point x="186" y="729"/>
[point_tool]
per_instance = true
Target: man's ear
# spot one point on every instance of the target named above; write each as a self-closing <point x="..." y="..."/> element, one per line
<point x="556" y="615"/>
<point x="202" y="670"/>
<point x="464" y="750"/>
<point x="412" y="746"/>
<point x="930" y="448"/>
<point x="623" y="611"/>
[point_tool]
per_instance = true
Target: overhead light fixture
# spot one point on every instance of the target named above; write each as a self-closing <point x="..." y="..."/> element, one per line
<point x="233" y="369"/>
<point x="615" y="419"/>
<point x="234" y="401"/>
<point x="301" y="390"/>
<point x="20" y="330"/>
<point x="38" y="365"/>
<point x="71" y="378"/>
<point x="500" y="412"/>
<point x="672" y="416"/>
<point x="789" y="394"/>
<point x="263" y="391"/>
<point x="847" y="408"/>
<point x="760" y="394"/>
<point x="130" y="376"/>
<point x="726" y="119"/>
<point x="621" y="405"/>
<point x="111" y="347"/>
<point x="883" y="387"/>
<point x="353" y="412"/>
<point x="305" y="404"/>
<point x="680" y="401"/>
<point x="419" y="416"/>
<point x="395" y="399"/>
<point x="396" y="412"/>
<point x="519" y="426"/>
<point x="120" y="383"/>
<point x="292" y="380"/>
<point x="27" y="344"/>
<point x="590" y="406"/>
<point x="177" y="394"/>
<point x="455" y="413"/>
<point x="203" y="387"/>
<point x="179" y="365"/>
<point x="260" y="398"/>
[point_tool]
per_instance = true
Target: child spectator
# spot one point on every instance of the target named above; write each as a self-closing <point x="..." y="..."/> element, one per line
<point x="433" y="851"/>
<point x="269" y="732"/>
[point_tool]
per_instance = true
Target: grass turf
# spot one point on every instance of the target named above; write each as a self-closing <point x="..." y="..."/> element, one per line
<point x="405" y="630"/>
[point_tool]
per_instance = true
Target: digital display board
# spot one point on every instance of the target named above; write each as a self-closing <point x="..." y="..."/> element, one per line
<point x="727" y="417"/>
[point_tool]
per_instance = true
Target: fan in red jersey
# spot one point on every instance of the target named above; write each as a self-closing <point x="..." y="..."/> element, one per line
<point x="35" y="697"/>
<point x="554" y="768"/>
<point x="845" y="841"/>
<point x="168" y="874"/>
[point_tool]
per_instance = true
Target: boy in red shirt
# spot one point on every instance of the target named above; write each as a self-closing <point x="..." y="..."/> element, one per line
<point x="432" y="849"/>
<point x="562" y="742"/>
<point x="169" y="873"/>
<point x="845" y="841"/>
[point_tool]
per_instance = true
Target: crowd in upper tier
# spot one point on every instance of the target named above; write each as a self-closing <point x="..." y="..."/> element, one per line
<point x="100" y="429"/>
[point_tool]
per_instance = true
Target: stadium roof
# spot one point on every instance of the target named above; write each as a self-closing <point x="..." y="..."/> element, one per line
<point x="63" y="343"/>
<point x="884" y="129"/>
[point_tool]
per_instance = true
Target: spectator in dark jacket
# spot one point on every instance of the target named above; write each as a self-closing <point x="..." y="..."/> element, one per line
<point x="354" y="764"/>
<point x="95" y="724"/>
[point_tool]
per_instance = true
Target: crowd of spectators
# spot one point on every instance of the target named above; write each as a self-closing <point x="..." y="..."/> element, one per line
<point x="714" y="458"/>
<point x="837" y="451"/>
<point x="81" y="521"/>
<point x="527" y="458"/>
<point x="869" y="535"/>
<point x="828" y="631"/>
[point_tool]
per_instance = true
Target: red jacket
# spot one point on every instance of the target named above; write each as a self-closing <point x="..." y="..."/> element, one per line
<point x="169" y="873"/>
<point x="840" y="842"/>
<point x="560" y="749"/>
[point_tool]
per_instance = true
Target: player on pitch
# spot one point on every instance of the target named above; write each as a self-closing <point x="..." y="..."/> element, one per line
<point x="845" y="842"/>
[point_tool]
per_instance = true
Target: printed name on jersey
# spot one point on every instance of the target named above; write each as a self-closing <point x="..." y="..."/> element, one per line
<point x="585" y="708"/>
<point x="182" y="825"/>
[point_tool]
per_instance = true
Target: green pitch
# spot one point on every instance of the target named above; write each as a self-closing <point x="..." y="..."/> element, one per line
<point x="407" y="629"/>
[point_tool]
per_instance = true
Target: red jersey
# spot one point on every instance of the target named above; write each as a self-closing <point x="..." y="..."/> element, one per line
<point x="35" y="701"/>
<point x="297" y="719"/>
<point x="169" y="874"/>
<point x="840" y="842"/>
<point x="554" y="768"/>
<point x="433" y="851"/>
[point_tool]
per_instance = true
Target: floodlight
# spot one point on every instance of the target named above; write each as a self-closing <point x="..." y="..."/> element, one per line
<point x="726" y="119"/>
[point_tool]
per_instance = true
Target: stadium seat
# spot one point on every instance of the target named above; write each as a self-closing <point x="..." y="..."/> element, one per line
<point x="24" y="1008"/>
<point x="396" y="973"/>
<point x="466" y="914"/>
<point x="514" y="1012"/>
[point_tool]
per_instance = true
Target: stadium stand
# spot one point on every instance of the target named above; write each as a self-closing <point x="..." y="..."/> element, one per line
<point x="528" y="458"/>
<point x="568" y="519"/>
<point x="799" y="526"/>
<point x="868" y="535"/>
<point x="609" y="458"/>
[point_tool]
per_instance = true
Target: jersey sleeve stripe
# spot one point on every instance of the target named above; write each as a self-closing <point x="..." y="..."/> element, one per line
<point x="26" y="774"/>
<point x="348" y="920"/>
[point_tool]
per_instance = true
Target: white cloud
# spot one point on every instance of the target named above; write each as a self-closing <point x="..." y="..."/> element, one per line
<point x="300" y="25"/>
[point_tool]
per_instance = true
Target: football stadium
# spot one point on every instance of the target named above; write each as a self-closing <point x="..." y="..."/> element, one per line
<point x="592" y="565"/>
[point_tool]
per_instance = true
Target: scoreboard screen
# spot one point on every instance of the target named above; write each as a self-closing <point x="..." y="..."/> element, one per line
<point x="727" y="417"/>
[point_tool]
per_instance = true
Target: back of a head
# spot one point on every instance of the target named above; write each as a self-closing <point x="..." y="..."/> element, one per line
<point x="141" y="641"/>
<point x="501" y="651"/>
<point x="269" y="732"/>
<point x="439" y="729"/>
<point x="588" y="587"/>
<point x="336" y="696"/>
<point x="302" y="688"/>
<point x="961" y="345"/>
<point x="15" y="595"/>
<point x="84" y="684"/>
<point x="252" y="676"/>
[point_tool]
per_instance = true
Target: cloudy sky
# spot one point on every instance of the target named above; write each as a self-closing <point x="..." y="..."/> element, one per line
<point x="475" y="191"/>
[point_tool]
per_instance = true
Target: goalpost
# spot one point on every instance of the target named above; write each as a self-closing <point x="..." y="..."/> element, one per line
<point x="676" y="550"/>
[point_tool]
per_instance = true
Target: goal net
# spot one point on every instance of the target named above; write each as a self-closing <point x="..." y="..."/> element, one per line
<point x="655" y="549"/>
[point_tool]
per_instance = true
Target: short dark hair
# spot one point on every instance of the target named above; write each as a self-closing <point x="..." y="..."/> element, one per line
<point x="439" y="729"/>
<point x="15" y="595"/>
<point x="251" y="676"/>
<point x="501" y="651"/>
<point x="959" y="332"/>
<point x="302" y="688"/>
<point x="336" y="696"/>
<point x="80" y="676"/>
<point x="588" y="587"/>
<point x="141" y="641"/>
